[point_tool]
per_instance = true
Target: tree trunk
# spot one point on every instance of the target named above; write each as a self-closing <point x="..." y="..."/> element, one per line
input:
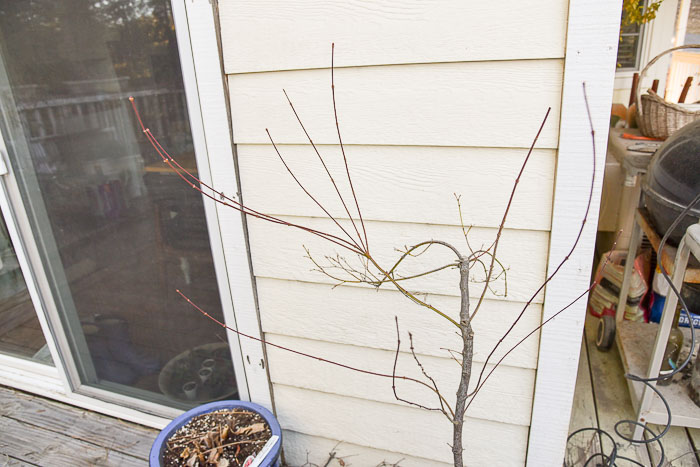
<point x="467" y="354"/>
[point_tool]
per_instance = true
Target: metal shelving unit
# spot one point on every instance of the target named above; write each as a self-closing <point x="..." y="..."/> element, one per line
<point x="642" y="345"/>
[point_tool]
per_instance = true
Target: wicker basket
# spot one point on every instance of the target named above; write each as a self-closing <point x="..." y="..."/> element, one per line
<point x="656" y="117"/>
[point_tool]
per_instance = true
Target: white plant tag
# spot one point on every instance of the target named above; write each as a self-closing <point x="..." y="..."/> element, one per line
<point x="274" y="439"/>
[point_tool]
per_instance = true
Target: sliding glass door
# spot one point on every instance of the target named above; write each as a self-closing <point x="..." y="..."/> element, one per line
<point x="116" y="229"/>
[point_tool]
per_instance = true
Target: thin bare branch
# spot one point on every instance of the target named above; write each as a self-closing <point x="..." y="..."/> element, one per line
<point x="352" y="240"/>
<point x="342" y="146"/>
<point x="568" y="255"/>
<point x="452" y="354"/>
<point x="421" y="274"/>
<point x="393" y="376"/>
<point x="430" y="378"/>
<point x="465" y="231"/>
<point x="595" y="282"/>
<point x="408" y="294"/>
<point x="325" y="167"/>
<point x="195" y="183"/>
<point x="505" y="214"/>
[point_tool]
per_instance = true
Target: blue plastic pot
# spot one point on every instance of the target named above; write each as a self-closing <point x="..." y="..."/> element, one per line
<point x="271" y="460"/>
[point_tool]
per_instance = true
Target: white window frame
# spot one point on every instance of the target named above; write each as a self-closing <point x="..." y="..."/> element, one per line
<point x="204" y="82"/>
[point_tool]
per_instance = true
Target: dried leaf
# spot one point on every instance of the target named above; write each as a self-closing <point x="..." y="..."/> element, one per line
<point x="200" y="456"/>
<point x="185" y="453"/>
<point x="251" y="429"/>
<point x="214" y="455"/>
<point x="206" y="439"/>
<point x="223" y="462"/>
<point x="224" y="433"/>
<point x="192" y="460"/>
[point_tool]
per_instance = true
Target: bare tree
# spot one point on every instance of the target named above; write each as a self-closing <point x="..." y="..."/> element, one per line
<point x="364" y="268"/>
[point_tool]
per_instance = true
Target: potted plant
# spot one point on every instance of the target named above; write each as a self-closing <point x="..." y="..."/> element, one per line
<point x="216" y="433"/>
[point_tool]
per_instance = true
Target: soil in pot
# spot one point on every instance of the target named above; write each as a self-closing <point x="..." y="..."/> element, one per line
<point x="223" y="438"/>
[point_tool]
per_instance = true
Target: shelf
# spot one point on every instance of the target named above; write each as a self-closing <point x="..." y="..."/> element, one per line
<point x="692" y="274"/>
<point x="635" y="342"/>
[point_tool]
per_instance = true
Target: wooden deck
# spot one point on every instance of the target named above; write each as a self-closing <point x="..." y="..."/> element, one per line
<point x="37" y="431"/>
<point x="602" y="399"/>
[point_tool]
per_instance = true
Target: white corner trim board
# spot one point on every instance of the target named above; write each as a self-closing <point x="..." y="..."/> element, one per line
<point x="591" y="51"/>
<point x="201" y="67"/>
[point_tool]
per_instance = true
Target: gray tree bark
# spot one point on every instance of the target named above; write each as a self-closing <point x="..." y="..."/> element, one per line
<point x="467" y="354"/>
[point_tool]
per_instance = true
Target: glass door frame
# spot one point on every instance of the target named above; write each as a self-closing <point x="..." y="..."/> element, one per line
<point x="196" y="29"/>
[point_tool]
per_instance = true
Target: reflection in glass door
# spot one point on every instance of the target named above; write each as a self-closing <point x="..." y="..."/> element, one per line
<point x="117" y="231"/>
<point x="20" y="331"/>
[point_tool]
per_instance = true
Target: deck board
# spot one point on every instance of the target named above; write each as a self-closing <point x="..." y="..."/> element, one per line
<point x="612" y="401"/>
<point x="694" y="437"/>
<point x="9" y="461"/>
<point x="36" y="431"/>
<point x="677" y="447"/>
<point x="583" y="415"/>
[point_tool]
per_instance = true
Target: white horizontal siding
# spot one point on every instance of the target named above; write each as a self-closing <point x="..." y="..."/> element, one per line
<point x="459" y="96"/>
<point x="365" y="318"/>
<point x="301" y="448"/>
<point x="507" y="397"/>
<point x="277" y="252"/>
<point x="263" y="35"/>
<point x="485" y="104"/>
<point x="404" y="184"/>
<point x="390" y="427"/>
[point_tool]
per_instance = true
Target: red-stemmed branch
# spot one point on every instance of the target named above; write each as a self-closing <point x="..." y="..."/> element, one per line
<point x="495" y="243"/>
<point x="196" y="183"/>
<point x="342" y="146"/>
<point x="563" y="261"/>
<point x="325" y="167"/>
<point x="517" y="344"/>
<point x="391" y="375"/>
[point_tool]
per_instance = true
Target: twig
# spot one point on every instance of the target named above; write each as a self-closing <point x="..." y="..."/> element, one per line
<point x="393" y="378"/>
<point x="330" y="458"/>
<point x="425" y="373"/>
<point x="247" y="441"/>
<point x="461" y="223"/>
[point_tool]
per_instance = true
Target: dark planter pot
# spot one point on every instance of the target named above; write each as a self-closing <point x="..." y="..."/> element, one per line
<point x="271" y="460"/>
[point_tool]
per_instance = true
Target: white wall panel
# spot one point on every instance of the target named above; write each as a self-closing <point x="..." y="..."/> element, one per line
<point x="391" y="427"/>
<point x="491" y="104"/>
<point x="300" y="448"/>
<point x="278" y="252"/>
<point x="265" y="35"/>
<point x="404" y="184"/>
<point x="507" y="397"/>
<point x="365" y="317"/>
